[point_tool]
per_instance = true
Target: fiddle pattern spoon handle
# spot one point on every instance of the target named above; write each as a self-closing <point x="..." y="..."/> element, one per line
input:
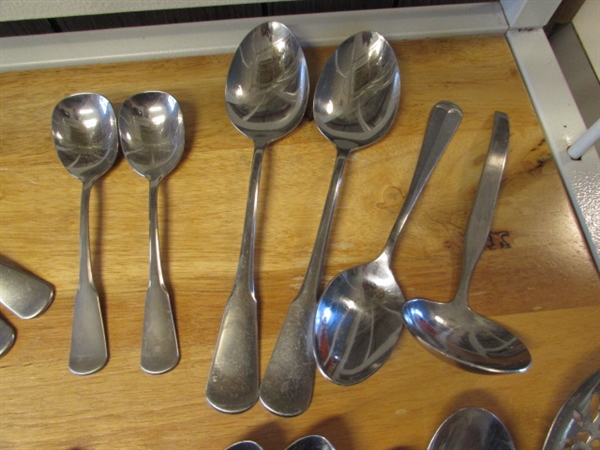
<point x="88" y="342"/>
<point x="482" y="211"/>
<point x="233" y="381"/>
<point x="160" y="351"/>
<point x="287" y="384"/>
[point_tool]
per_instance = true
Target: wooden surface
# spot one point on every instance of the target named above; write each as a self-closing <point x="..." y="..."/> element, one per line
<point x="538" y="278"/>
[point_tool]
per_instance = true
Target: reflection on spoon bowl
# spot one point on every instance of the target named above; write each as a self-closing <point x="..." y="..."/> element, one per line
<point x="471" y="341"/>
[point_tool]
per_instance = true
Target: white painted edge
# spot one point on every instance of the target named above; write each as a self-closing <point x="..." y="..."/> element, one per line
<point x="562" y="124"/>
<point x="214" y="37"/>
<point x="529" y="13"/>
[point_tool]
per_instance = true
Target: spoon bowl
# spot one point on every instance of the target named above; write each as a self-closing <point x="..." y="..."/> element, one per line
<point x="359" y="316"/>
<point x="265" y="97"/>
<point x="452" y="329"/>
<point x="312" y="442"/>
<point x="152" y="137"/>
<point x="84" y="128"/>
<point x="474" y="429"/>
<point x="355" y="104"/>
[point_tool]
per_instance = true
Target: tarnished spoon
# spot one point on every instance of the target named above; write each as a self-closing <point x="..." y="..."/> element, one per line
<point x="84" y="127"/>
<point x="359" y="316"/>
<point x="25" y="294"/>
<point x="265" y="97"/>
<point x="452" y="329"/>
<point x="152" y="137"/>
<point x="472" y="429"/>
<point x="355" y="104"/>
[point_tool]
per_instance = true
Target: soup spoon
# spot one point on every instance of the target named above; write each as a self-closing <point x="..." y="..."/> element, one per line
<point x="152" y="138"/>
<point x="473" y="429"/>
<point x="84" y="127"/>
<point x="265" y="97"/>
<point x="452" y="329"/>
<point x="355" y="104"/>
<point x="358" y="319"/>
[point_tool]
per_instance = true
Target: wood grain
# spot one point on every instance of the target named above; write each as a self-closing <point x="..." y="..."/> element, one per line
<point x="537" y="278"/>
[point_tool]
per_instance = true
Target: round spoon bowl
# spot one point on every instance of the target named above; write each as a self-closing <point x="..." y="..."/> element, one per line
<point x="358" y="323"/>
<point x="152" y="133"/>
<point x="84" y="128"/>
<point x="471" y="341"/>
<point x="473" y="429"/>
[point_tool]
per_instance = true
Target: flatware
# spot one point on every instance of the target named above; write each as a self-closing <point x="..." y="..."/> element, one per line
<point x="355" y="104"/>
<point x="265" y="97"/>
<point x="7" y="337"/>
<point x="452" y="329"/>
<point x="472" y="429"/>
<point x="313" y="442"/>
<point x="359" y="316"/>
<point x="24" y="294"/>
<point x="244" y="445"/>
<point x="577" y="424"/>
<point x="84" y="128"/>
<point x="152" y="138"/>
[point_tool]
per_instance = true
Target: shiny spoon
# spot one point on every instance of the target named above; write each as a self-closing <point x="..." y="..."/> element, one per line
<point x="355" y="104"/>
<point x="313" y="442"/>
<point x="577" y="424"/>
<point x="265" y="96"/>
<point x="85" y="134"/>
<point x="358" y="319"/>
<point x="244" y="445"/>
<point x="473" y="429"/>
<point x="152" y="138"/>
<point x="7" y="337"/>
<point x="452" y="329"/>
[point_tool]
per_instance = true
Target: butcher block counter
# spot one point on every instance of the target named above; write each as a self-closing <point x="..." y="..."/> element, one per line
<point x="536" y="277"/>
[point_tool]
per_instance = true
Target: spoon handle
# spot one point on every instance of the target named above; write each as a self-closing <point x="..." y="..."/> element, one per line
<point x="88" y="341"/>
<point x="160" y="351"/>
<point x="233" y="381"/>
<point x="482" y="211"/>
<point x="287" y="384"/>
<point x="7" y="336"/>
<point x="443" y="122"/>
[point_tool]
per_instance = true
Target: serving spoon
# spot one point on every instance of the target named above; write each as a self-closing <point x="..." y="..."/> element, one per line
<point x="452" y="329"/>
<point x="265" y="96"/>
<point x="152" y="138"/>
<point x="355" y="103"/>
<point x="359" y="316"/>
<point x="84" y="128"/>
<point x="474" y="429"/>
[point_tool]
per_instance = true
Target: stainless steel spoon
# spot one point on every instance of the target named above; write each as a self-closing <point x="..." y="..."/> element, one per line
<point x="359" y="316"/>
<point x="265" y="97"/>
<point x="25" y="294"/>
<point x="473" y="429"/>
<point x="7" y="337"/>
<point x="313" y="442"/>
<point x="152" y="138"/>
<point x="244" y="445"/>
<point x="452" y="329"/>
<point x="355" y="104"/>
<point x="84" y="128"/>
<point x="577" y="424"/>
